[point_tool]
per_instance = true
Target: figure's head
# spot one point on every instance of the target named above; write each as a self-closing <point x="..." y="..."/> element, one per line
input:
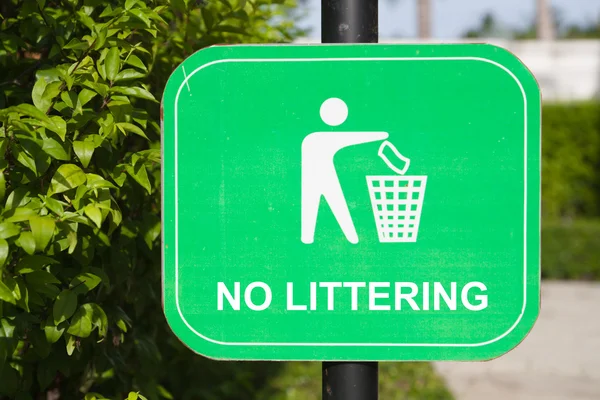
<point x="334" y="111"/>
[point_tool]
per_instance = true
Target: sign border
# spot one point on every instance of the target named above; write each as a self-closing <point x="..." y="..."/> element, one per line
<point x="335" y="59"/>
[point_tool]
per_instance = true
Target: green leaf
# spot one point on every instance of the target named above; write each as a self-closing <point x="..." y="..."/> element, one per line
<point x="37" y="93"/>
<point x="67" y="176"/>
<point x="6" y="294"/>
<point x="85" y="282"/>
<point x="97" y="182"/>
<point x="129" y="74"/>
<point x="64" y="306"/>
<point x="140" y="176"/>
<point x="84" y="97"/>
<point x="8" y="229"/>
<point x="99" y="88"/>
<point x="27" y="242"/>
<point x="19" y="214"/>
<point x="76" y="44"/>
<point x="23" y="298"/>
<point x="121" y="325"/>
<point x="132" y="396"/>
<point x="70" y="98"/>
<point x="41" y="277"/>
<point x="29" y="264"/>
<point x="2" y="184"/>
<point x="84" y="150"/>
<point x="13" y="286"/>
<point x="7" y="328"/>
<point x="113" y="63"/>
<point x="227" y="4"/>
<point x="4" y="252"/>
<point x="135" y="61"/>
<point x="43" y="283"/>
<point x="141" y="15"/>
<point x="24" y="158"/>
<point x="127" y="127"/>
<point x="53" y="333"/>
<point x="44" y="93"/>
<point x="54" y="149"/>
<point x="93" y="213"/>
<point x="98" y="317"/>
<point x="138" y="92"/>
<point x="71" y="343"/>
<point x="81" y="323"/>
<point x="151" y="229"/>
<point x="54" y="205"/>
<point x="164" y="393"/>
<point x="208" y="17"/>
<point x="31" y="111"/>
<point x="43" y="230"/>
<point x="119" y="174"/>
<point x="59" y="126"/>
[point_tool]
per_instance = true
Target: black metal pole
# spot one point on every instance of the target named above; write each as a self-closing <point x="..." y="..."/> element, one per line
<point x="350" y="381"/>
<point x="350" y="21"/>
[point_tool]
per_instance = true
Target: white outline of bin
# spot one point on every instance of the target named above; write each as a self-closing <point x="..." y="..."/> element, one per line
<point x="397" y="204"/>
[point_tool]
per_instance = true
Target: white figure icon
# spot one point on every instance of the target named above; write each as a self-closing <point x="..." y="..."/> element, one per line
<point x="319" y="177"/>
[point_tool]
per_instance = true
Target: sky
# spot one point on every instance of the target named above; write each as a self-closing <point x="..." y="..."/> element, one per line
<point x="451" y="18"/>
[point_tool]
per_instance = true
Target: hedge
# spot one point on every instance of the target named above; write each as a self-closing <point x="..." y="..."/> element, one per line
<point x="571" y="191"/>
<point x="571" y="160"/>
<point x="571" y="249"/>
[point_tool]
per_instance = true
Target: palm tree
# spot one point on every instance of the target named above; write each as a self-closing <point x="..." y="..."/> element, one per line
<point x="545" y="25"/>
<point x="424" y="18"/>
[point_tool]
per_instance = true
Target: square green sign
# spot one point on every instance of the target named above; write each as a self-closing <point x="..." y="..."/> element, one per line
<point x="351" y="202"/>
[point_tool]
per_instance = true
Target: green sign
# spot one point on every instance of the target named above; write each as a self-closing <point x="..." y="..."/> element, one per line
<point x="363" y="202"/>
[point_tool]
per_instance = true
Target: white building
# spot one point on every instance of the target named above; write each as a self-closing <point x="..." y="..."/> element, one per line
<point x="566" y="70"/>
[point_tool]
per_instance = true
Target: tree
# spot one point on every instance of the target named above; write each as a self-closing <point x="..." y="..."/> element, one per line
<point x="488" y="27"/>
<point x="545" y="24"/>
<point x="424" y="18"/>
<point x="80" y="307"/>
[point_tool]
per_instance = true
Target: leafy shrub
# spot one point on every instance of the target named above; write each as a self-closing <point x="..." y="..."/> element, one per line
<point x="571" y="250"/>
<point x="80" y="308"/>
<point x="571" y="191"/>
<point x="571" y="160"/>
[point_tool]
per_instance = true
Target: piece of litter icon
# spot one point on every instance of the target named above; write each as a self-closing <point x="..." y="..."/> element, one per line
<point x="397" y="201"/>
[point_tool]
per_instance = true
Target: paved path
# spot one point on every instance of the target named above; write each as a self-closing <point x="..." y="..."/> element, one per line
<point x="559" y="359"/>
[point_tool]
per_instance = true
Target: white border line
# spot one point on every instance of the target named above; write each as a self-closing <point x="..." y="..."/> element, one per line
<point x="306" y="344"/>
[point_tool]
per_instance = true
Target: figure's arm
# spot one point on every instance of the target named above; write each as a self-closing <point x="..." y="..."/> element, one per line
<point x="338" y="140"/>
<point x="345" y="139"/>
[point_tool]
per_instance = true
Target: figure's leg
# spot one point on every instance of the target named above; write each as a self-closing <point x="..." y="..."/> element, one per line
<point x="337" y="202"/>
<point x="311" y="197"/>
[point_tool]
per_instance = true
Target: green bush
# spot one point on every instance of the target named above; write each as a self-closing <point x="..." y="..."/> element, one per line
<point x="571" y="160"/>
<point x="571" y="191"/>
<point x="80" y="308"/>
<point x="571" y="250"/>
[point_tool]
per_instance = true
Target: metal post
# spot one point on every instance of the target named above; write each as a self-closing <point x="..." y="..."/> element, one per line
<point x="350" y="21"/>
<point x="350" y="381"/>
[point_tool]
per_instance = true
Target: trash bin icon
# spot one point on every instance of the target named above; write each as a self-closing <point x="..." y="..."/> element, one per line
<point x="397" y="203"/>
